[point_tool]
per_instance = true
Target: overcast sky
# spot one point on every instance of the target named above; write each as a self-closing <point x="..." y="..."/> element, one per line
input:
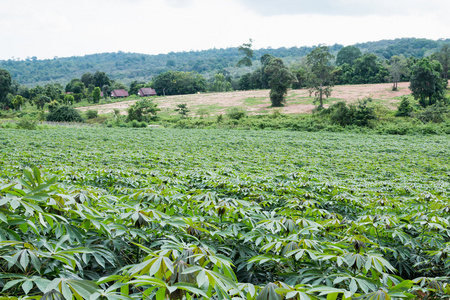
<point x="49" y="28"/>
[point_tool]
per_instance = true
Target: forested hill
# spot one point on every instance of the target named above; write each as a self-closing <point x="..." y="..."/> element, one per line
<point x="126" y="67"/>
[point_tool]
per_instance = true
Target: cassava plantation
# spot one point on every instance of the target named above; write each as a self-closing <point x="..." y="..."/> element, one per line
<point x="121" y="213"/>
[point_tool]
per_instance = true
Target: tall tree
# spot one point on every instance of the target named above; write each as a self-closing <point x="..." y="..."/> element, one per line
<point x="280" y="79"/>
<point x="348" y="55"/>
<point x="320" y="79"/>
<point x="87" y="79"/>
<point x="246" y="49"/>
<point x="17" y="102"/>
<point x="96" y="95"/>
<point x="106" y="90"/>
<point x="444" y="58"/>
<point x="100" y="79"/>
<point x="426" y="83"/>
<point x="398" y="67"/>
<point x="135" y="86"/>
<point x="5" y="85"/>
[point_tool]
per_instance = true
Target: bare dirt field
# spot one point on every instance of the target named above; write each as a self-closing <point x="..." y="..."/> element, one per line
<point x="258" y="101"/>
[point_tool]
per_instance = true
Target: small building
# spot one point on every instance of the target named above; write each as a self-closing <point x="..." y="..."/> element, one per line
<point x="119" y="94"/>
<point x="145" y="92"/>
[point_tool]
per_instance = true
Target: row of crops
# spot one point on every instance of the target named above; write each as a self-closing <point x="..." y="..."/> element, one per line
<point x="190" y="214"/>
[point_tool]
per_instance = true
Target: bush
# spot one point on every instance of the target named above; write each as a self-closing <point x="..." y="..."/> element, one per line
<point x="65" y="114"/>
<point x="142" y="110"/>
<point x="341" y="114"/>
<point x="405" y="108"/>
<point x="27" y="124"/>
<point x="236" y="113"/>
<point x="137" y="124"/>
<point x="435" y="113"/>
<point x="52" y="105"/>
<point x="92" y="114"/>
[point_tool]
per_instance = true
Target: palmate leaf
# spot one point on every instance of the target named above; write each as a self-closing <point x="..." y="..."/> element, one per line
<point x="80" y="289"/>
<point x="26" y="283"/>
<point x="365" y="284"/>
<point x="160" y="266"/>
<point x="212" y="279"/>
<point x="269" y="292"/>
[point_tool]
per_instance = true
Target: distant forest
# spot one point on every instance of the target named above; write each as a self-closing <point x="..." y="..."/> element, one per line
<point x="128" y="67"/>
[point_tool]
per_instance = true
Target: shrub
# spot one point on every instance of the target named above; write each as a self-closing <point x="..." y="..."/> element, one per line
<point x="236" y="113"/>
<point x="435" y="113"/>
<point x="142" y="110"/>
<point x="341" y="114"/>
<point x="405" y="108"/>
<point x="26" y="123"/>
<point x="137" y="124"/>
<point x="65" y="114"/>
<point x="92" y="114"/>
<point x="53" y="105"/>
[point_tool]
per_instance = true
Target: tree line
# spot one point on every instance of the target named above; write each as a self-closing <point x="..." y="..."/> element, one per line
<point x="129" y="67"/>
<point x="318" y="71"/>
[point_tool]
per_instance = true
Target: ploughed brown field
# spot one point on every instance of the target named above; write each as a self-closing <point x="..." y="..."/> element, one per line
<point x="258" y="101"/>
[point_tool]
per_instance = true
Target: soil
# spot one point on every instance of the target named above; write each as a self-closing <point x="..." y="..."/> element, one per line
<point x="258" y="101"/>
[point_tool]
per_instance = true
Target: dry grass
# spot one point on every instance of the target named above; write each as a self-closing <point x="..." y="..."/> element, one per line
<point x="258" y="102"/>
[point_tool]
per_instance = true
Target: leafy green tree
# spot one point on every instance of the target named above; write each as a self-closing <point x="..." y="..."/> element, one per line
<point x="348" y="55"/>
<point x="87" y="79"/>
<point x="101" y="79"/>
<point x="220" y="84"/>
<point x="35" y="92"/>
<point x="5" y="85"/>
<point x="41" y="100"/>
<point x="343" y="74"/>
<point x="96" y="95"/>
<point x="366" y="68"/>
<point x="75" y="86"/>
<point x="53" y="91"/>
<point x="142" y="110"/>
<point x="182" y="109"/>
<point x="320" y="79"/>
<point x="135" y="86"/>
<point x="106" y="91"/>
<point x="246" y="49"/>
<point x="426" y="83"/>
<point x="18" y="101"/>
<point x="397" y="67"/>
<point x="65" y="113"/>
<point x="69" y="99"/>
<point x="244" y="82"/>
<point x="179" y="83"/>
<point x="443" y="57"/>
<point x="280" y="79"/>
<point x="301" y="75"/>
<point x="53" y="105"/>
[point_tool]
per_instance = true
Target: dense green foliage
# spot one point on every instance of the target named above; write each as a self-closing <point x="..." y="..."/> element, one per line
<point x="145" y="214"/>
<point x="320" y="79"/>
<point x="426" y="83"/>
<point x="142" y="111"/>
<point x="64" y="113"/>
<point x="179" y="83"/>
<point x="280" y="80"/>
<point x="128" y="67"/>
<point x="5" y="87"/>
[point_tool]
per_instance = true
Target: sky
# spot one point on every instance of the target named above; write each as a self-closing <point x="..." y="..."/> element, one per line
<point x="62" y="28"/>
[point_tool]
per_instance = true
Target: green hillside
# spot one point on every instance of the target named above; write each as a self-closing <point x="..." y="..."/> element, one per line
<point x="126" y="67"/>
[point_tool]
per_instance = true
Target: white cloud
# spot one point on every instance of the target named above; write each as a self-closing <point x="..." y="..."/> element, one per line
<point x="50" y="28"/>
